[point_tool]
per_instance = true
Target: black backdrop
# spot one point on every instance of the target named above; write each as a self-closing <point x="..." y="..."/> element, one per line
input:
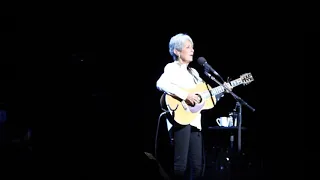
<point x="99" y="82"/>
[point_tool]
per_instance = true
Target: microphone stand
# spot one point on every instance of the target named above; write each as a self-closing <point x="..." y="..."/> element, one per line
<point x="239" y="104"/>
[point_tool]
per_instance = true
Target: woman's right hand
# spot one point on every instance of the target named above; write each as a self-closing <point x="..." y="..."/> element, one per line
<point x="193" y="99"/>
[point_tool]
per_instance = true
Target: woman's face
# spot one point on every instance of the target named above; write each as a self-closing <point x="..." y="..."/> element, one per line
<point x="186" y="54"/>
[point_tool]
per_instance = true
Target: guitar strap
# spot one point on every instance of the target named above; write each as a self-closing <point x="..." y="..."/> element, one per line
<point x="195" y="78"/>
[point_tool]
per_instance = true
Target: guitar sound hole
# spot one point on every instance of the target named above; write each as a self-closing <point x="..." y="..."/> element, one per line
<point x="200" y="98"/>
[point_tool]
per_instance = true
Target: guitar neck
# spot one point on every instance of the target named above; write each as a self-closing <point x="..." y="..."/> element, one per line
<point x="219" y="89"/>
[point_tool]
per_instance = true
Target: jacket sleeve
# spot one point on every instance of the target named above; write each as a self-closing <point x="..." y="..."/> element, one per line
<point x="165" y="83"/>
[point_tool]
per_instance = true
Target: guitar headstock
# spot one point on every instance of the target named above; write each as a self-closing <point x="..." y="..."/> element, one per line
<point x="246" y="78"/>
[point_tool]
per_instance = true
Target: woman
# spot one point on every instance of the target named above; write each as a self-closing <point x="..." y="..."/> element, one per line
<point x="177" y="76"/>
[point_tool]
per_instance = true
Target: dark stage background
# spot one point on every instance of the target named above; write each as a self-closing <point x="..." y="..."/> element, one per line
<point x="99" y="89"/>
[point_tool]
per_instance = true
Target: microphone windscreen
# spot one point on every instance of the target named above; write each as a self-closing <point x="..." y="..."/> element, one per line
<point x="201" y="60"/>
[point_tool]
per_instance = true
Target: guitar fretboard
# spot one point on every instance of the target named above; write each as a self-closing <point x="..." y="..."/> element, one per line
<point x="219" y="89"/>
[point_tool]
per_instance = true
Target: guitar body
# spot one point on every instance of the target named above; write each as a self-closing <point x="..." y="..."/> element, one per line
<point x="183" y="113"/>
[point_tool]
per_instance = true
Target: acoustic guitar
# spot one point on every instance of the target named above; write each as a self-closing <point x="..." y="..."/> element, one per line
<point x="184" y="113"/>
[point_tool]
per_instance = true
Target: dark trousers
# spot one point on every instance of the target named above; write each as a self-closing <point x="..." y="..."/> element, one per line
<point x="188" y="161"/>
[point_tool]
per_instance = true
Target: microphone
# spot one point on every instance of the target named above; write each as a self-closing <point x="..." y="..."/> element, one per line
<point x="203" y="62"/>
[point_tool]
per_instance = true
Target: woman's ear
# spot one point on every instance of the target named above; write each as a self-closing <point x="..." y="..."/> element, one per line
<point x="176" y="52"/>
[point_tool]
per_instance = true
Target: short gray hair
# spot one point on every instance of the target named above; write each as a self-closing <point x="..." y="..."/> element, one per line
<point x="177" y="42"/>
